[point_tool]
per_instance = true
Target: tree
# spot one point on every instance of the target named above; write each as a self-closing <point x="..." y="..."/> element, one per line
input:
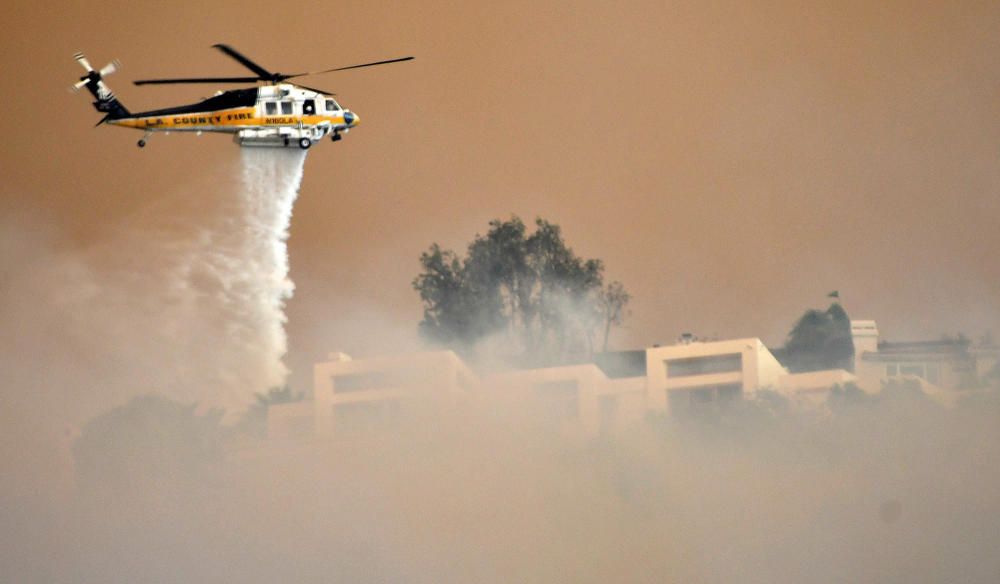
<point x="820" y="340"/>
<point x="254" y="421"/>
<point x="843" y="398"/>
<point x="614" y="299"/>
<point x="149" y="445"/>
<point x="543" y="301"/>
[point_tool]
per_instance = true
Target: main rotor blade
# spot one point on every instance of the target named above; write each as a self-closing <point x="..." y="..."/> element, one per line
<point x="264" y="73"/>
<point x="198" y="80"/>
<point x="323" y="91"/>
<point x="352" y="67"/>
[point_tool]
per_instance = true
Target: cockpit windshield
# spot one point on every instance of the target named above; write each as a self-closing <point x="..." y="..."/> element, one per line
<point x="332" y="105"/>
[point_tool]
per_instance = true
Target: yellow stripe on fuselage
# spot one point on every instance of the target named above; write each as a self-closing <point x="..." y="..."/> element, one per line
<point x="230" y="120"/>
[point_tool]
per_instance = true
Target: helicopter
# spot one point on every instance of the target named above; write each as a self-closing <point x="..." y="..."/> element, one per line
<point x="275" y="114"/>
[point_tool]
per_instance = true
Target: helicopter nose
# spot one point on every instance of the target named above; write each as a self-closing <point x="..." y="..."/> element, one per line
<point x="351" y="119"/>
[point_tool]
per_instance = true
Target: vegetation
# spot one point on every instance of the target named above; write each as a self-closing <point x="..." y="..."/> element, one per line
<point x="146" y="445"/>
<point x="530" y="292"/>
<point x="614" y="300"/>
<point x="254" y="421"/>
<point x="820" y="340"/>
<point x="844" y="397"/>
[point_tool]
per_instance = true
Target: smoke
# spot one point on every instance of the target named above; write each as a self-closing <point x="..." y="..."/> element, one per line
<point x="185" y="299"/>
<point x="890" y="492"/>
<point x="227" y="288"/>
<point x="237" y="278"/>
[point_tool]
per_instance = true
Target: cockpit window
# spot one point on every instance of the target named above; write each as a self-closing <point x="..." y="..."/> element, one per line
<point x="331" y="105"/>
<point x="270" y="108"/>
<point x="286" y="107"/>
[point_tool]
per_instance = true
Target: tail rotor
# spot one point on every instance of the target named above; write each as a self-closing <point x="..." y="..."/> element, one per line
<point x="92" y="76"/>
<point x="110" y="68"/>
<point x="82" y="60"/>
<point x="94" y="82"/>
<point x="78" y="85"/>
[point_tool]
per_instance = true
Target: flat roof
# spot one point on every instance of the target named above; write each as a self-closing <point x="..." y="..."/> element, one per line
<point x="621" y="364"/>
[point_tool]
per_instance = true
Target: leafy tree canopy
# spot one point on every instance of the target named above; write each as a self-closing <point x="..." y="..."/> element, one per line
<point x="147" y="445"/>
<point x="254" y="421"/>
<point x="528" y="291"/>
<point x="820" y="340"/>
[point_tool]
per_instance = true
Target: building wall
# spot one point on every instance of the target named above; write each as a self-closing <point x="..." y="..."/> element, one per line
<point x="370" y="391"/>
<point x="576" y="399"/>
<point x="626" y="398"/>
<point x="810" y="390"/>
<point x="864" y="334"/>
<point x="948" y="364"/>
<point x="708" y="372"/>
<point x="987" y="357"/>
<point x="873" y="372"/>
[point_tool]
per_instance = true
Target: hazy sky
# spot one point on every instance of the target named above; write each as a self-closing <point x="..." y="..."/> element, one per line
<point x="731" y="162"/>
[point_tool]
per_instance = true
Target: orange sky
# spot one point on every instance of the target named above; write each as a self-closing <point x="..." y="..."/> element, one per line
<point x="731" y="162"/>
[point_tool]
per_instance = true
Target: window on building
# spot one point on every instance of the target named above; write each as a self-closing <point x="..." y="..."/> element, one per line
<point x="917" y="370"/>
<point x="286" y="107"/>
<point x="270" y="108"/>
<point x="891" y="370"/>
<point x="728" y="363"/>
<point x="703" y="399"/>
<point x="394" y="377"/>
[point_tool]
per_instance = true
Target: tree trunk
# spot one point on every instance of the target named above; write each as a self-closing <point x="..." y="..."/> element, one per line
<point x="607" y="332"/>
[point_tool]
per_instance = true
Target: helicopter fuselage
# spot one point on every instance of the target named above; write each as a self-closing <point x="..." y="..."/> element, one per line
<point x="282" y="115"/>
<point x="275" y="114"/>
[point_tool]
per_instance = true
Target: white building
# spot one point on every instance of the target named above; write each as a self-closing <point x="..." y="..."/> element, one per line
<point x="947" y="364"/>
<point x="584" y="399"/>
<point x="371" y="394"/>
<point x="352" y="396"/>
<point x="574" y="399"/>
<point x="701" y="375"/>
<point x="808" y="391"/>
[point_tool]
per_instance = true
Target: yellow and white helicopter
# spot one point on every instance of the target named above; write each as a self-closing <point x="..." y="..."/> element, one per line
<point x="275" y="114"/>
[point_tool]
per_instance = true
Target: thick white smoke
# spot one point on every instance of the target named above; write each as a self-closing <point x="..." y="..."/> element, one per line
<point x="239" y="271"/>
<point x="185" y="300"/>
<point x="271" y="180"/>
<point x="219" y="284"/>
